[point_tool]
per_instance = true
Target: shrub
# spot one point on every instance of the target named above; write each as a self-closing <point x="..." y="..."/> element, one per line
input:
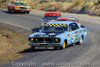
<point x="98" y="1"/>
<point x="85" y="8"/>
<point x="77" y="2"/>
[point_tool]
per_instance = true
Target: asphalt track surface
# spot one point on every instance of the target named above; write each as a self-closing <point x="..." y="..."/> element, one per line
<point x="85" y="55"/>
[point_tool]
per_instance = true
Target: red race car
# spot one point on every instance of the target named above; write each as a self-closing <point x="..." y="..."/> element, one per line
<point x="18" y="6"/>
<point x="49" y="16"/>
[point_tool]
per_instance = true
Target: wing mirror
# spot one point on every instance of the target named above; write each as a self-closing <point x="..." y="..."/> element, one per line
<point x="82" y="26"/>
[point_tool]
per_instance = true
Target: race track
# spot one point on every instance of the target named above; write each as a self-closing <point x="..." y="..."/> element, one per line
<point x="85" y="55"/>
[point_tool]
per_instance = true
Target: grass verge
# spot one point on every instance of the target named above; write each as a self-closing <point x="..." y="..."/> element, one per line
<point x="10" y="44"/>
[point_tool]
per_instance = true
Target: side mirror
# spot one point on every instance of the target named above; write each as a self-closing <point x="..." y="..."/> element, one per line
<point x="82" y="26"/>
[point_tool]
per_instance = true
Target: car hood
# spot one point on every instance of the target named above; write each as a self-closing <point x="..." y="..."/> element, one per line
<point x="23" y="6"/>
<point x="46" y="35"/>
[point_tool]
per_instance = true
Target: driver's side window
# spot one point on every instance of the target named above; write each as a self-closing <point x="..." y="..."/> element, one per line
<point x="70" y="27"/>
<point x="73" y="26"/>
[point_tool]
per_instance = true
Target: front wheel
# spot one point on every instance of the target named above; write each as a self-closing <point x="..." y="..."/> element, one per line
<point x="9" y="10"/>
<point x="32" y="48"/>
<point x="64" y="45"/>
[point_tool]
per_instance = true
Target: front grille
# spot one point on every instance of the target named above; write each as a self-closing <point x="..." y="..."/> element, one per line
<point x="22" y="7"/>
<point x="43" y="40"/>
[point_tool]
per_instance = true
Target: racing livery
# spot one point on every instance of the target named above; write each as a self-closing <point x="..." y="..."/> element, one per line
<point x="58" y="35"/>
<point x="68" y="19"/>
<point x="18" y="6"/>
<point x="50" y="16"/>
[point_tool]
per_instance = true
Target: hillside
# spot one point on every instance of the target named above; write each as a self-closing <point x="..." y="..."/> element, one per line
<point x="91" y="7"/>
<point x="11" y="43"/>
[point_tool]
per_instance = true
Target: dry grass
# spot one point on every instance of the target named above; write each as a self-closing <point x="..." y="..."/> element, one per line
<point x="10" y="44"/>
<point x="83" y="6"/>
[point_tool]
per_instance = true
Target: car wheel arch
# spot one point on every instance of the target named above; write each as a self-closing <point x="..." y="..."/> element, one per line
<point x="65" y="41"/>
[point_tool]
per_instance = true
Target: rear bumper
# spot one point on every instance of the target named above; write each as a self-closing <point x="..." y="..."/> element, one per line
<point x="44" y="44"/>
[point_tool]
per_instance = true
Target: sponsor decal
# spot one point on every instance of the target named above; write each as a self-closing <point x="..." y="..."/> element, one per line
<point x="76" y="32"/>
<point x="63" y="35"/>
<point x="68" y="38"/>
<point x="84" y="30"/>
<point x="76" y="35"/>
<point x="85" y="33"/>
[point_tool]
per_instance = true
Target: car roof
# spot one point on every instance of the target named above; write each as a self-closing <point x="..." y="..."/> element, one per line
<point x="67" y="18"/>
<point x="60" y="22"/>
<point x="19" y="1"/>
<point x="52" y="13"/>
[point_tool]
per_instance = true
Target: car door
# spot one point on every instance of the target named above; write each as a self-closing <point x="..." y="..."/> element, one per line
<point x="74" y="31"/>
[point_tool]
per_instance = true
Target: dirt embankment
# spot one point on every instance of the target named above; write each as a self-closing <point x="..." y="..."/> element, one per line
<point x="11" y="43"/>
<point x="91" y="7"/>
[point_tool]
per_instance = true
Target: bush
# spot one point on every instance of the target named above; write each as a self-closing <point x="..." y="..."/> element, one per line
<point x="77" y="2"/>
<point x="98" y="1"/>
<point x="85" y="8"/>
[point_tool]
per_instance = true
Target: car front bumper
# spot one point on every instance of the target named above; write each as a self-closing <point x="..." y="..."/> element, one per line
<point x="44" y="44"/>
<point x="22" y="10"/>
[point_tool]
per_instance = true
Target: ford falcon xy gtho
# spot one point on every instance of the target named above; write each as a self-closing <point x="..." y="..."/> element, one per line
<point x="57" y="35"/>
<point x="18" y="6"/>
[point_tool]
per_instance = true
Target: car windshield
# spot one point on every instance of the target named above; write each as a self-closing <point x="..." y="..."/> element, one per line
<point x="51" y="17"/>
<point x="18" y="4"/>
<point x="53" y="28"/>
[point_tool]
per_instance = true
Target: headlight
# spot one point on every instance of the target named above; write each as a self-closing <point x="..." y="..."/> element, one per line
<point x="31" y="39"/>
<point x="30" y="7"/>
<point x="17" y="7"/>
<point x="57" y="40"/>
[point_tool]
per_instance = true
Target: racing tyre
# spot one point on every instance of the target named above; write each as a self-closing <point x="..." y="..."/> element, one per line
<point x="64" y="45"/>
<point x="13" y="11"/>
<point x="56" y="48"/>
<point x="9" y="10"/>
<point x="32" y="48"/>
<point x="28" y="12"/>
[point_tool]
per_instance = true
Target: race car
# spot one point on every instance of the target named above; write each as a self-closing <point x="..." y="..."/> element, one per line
<point x="50" y="16"/>
<point x="68" y="19"/>
<point x="58" y="35"/>
<point x="18" y="6"/>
